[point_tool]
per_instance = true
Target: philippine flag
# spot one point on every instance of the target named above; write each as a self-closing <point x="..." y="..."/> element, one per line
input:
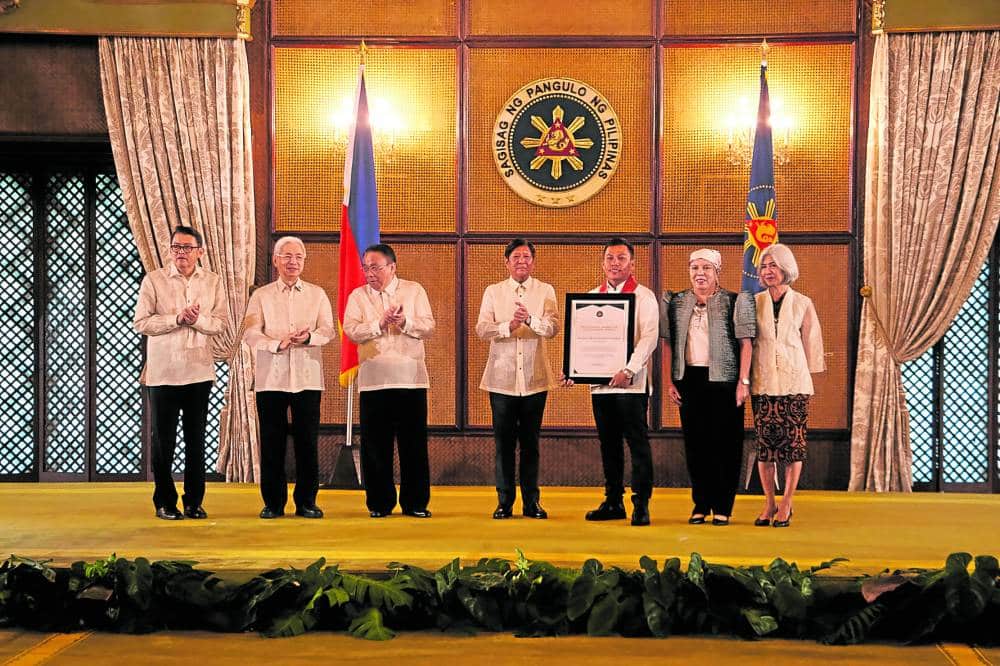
<point x="358" y="220"/>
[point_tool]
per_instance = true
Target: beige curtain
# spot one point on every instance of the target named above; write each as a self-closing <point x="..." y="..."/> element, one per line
<point x="932" y="200"/>
<point x="179" y="117"/>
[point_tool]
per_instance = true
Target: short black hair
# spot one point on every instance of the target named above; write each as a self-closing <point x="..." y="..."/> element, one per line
<point x="618" y="240"/>
<point x="381" y="248"/>
<point x="188" y="231"/>
<point x="516" y="243"/>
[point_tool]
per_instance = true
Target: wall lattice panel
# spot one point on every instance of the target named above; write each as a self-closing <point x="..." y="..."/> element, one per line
<point x="17" y="319"/>
<point x="596" y="17"/>
<point x="416" y="178"/>
<point x="118" y="352"/>
<point x="702" y="86"/>
<point x="433" y="266"/>
<point x="568" y="268"/>
<point x="741" y="17"/>
<point x="372" y="18"/>
<point x="825" y="277"/>
<point x="66" y="327"/>
<point x="624" y="77"/>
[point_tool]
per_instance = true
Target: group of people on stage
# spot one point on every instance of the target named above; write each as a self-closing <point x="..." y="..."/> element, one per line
<point x="721" y="348"/>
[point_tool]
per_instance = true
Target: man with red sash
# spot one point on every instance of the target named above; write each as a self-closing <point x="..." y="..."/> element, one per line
<point x="620" y="406"/>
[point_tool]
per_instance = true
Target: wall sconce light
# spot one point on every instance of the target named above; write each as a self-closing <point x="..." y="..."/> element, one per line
<point x="387" y="126"/>
<point x="741" y="127"/>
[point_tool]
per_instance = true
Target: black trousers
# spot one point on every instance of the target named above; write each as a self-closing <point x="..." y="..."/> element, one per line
<point x="619" y="415"/>
<point x="190" y="402"/>
<point x="272" y="413"/>
<point x="517" y="418"/>
<point x="713" y="440"/>
<point x="400" y="415"/>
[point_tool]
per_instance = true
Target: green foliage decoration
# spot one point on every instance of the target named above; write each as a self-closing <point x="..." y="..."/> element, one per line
<point x="959" y="602"/>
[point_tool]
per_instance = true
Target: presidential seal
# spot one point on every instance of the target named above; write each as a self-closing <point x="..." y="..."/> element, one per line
<point x="557" y="142"/>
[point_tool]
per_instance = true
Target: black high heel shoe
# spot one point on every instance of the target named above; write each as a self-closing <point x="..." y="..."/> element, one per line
<point x="783" y="523"/>
<point x="764" y="522"/>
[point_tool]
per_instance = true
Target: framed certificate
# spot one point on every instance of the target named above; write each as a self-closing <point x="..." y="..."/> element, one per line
<point x="598" y="340"/>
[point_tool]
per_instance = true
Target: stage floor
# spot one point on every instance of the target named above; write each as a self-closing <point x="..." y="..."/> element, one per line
<point x="78" y="521"/>
<point x="21" y="648"/>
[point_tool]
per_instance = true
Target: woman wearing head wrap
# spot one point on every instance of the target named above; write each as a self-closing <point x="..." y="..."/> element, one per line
<point x="708" y="333"/>
<point x="789" y="346"/>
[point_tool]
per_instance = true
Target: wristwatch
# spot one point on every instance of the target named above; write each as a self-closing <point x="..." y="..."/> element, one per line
<point x="745" y="381"/>
<point x="628" y="373"/>
<point x="528" y="320"/>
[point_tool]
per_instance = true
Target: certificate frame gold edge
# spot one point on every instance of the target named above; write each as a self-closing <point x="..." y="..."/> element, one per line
<point x="590" y="296"/>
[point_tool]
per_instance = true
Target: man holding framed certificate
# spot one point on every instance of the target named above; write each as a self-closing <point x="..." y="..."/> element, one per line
<point x="611" y="333"/>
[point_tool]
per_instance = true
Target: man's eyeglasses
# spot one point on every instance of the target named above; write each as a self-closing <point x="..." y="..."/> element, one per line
<point x="289" y="257"/>
<point x="184" y="249"/>
<point x="373" y="268"/>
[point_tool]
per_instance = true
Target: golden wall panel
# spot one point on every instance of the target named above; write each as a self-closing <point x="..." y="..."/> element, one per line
<point x="568" y="268"/>
<point x="416" y="179"/>
<point x="825" y="277"/>
<point x="371" y="18"/>
<point x="595" y="17"/>
<point x="624" y="77"/>
<point x="742" y="17"/>
<point x="702" y="192"/>
<point x="433" y="266"/>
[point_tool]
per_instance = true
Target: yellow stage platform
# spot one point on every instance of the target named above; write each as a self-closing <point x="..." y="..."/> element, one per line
<point x="70" y="522"/>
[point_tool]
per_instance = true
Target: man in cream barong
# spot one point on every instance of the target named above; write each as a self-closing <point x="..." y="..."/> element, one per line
<point x="181" y="306"/>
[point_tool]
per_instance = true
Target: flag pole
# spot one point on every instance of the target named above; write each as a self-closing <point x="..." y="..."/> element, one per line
<point x="349" y="436"/>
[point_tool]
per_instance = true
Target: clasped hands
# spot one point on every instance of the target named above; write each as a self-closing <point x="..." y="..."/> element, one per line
<point x="521" y="315"/>
<point x="188" y="315"/>
<point x="392" y="316"/>
<point x="295" y="338"/>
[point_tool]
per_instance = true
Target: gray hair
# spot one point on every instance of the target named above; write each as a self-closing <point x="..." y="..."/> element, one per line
<point x="782" y="255"/>
<point x="285" y="240"/>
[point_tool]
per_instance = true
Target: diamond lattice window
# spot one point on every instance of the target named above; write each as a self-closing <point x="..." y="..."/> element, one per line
<point x="949" y="398"/>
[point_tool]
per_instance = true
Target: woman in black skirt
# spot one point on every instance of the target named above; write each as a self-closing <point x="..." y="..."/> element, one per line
<point x="788" y="347"/>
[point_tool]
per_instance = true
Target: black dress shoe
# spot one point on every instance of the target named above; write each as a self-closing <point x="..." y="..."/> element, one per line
<point x="696" y="520"/>
<point x="722" y="522"/>
<point x="610" y="509"/>
<point x="782" y="523"/>
<point x="268" y="513"/>
<point x="378" y="514"/>
<point x="502" y="512"/>
<point x="418" y="513"/>
<point x="169" y="513"/>
<point x="762" y="522"/>
<point x="195" y="512"/>
<point x="310" y="511"/>
<point x="640" y="514"/>
<point x="535" y="510"/>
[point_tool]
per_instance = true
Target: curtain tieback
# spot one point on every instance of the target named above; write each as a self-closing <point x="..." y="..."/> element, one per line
<point x="866" y="293"/>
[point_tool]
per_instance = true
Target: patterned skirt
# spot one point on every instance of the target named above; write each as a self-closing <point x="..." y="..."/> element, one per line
<point x="780" y="422"/>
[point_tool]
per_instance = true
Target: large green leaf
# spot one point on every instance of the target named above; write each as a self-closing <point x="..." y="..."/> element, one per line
<point x="604" y="615"/>
<point x="293" y="624"/>
<point x="483" y="608"/>
<point x="761" y="623"/>
<point x="369" y="626"/>
<point x="388" y="594"/>
<point x="856" y="628"/>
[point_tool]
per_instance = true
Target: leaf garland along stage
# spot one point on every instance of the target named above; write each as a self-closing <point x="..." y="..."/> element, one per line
<point x="529" y="598"/>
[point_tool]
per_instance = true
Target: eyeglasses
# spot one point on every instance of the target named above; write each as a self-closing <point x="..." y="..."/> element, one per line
<point x="289" y="257"/>
<point x="373" y="268"/>
<point x="184" y="249"/>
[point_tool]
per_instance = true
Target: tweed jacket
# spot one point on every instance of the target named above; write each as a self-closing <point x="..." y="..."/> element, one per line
<point x="786" y="354"/>
<point x="731" y="317"/>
